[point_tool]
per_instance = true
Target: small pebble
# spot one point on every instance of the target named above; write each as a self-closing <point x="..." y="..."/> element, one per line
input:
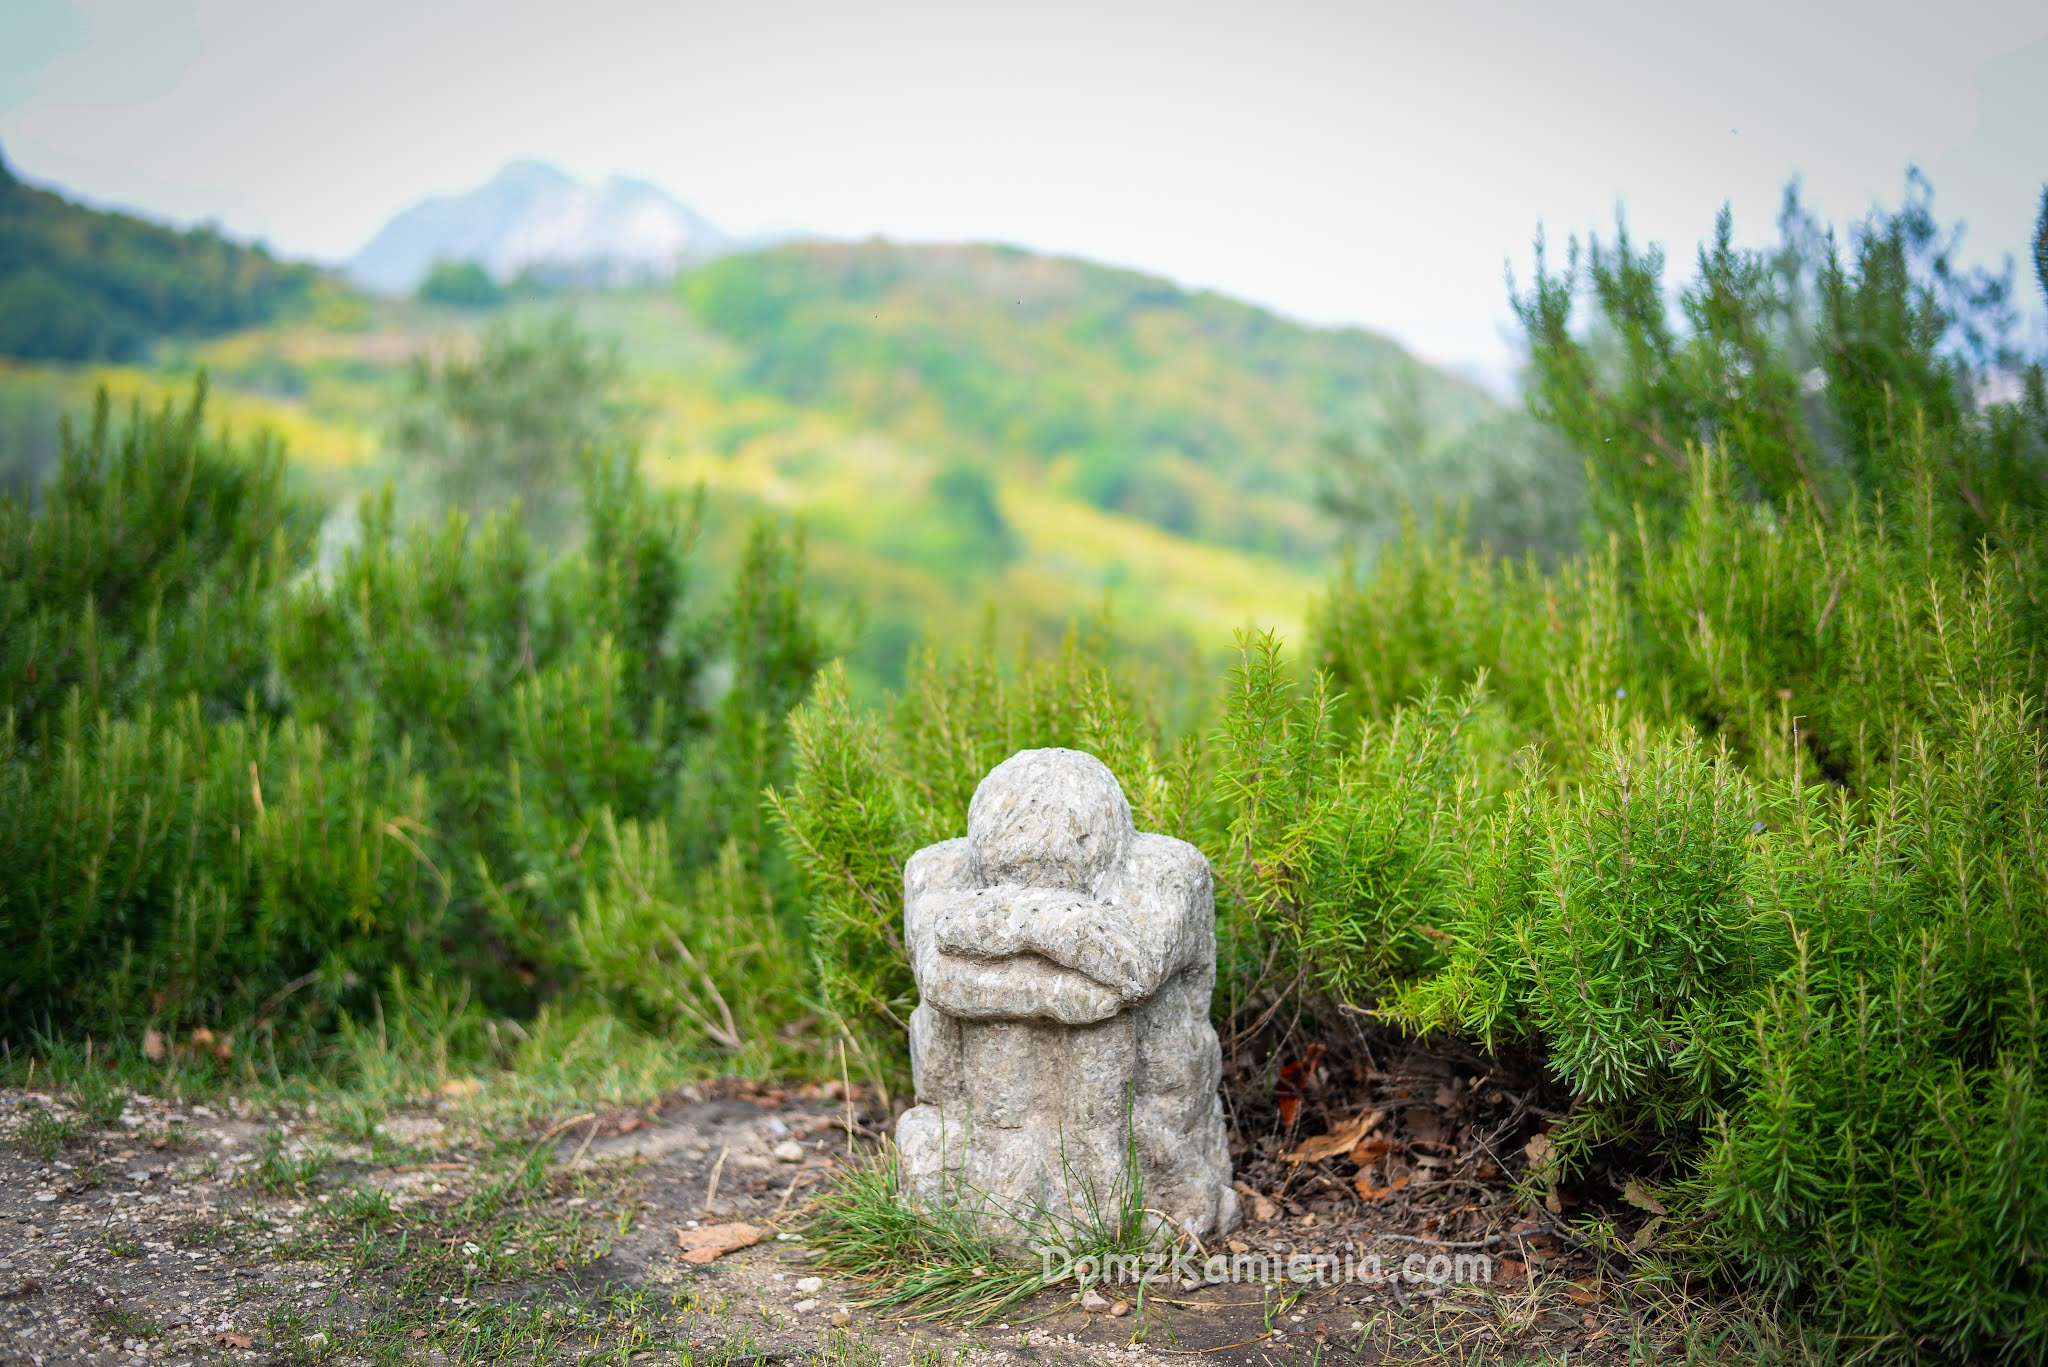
<point x="1093" y="1300"/>
<point x="807" y="1285"/>
<point x="789" y="1151"/>
<point x="805" y="1306"/>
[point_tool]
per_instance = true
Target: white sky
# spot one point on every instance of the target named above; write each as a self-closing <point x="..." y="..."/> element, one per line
<point x="1367" y="163"/>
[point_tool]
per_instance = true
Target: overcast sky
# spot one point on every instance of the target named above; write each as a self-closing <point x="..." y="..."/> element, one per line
<point x="1359" y="163"/>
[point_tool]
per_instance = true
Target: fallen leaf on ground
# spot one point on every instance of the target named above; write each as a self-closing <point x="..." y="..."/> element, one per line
<point x="715" y="1241"/>
<point x="1373" y="1193"/>
<point x="153" y="1045"/>
<point x="1294" y="1078"/>
<point x="461" y="1086"/>
<point x="1580" y="1294"/>
<point x="1510" y="1270"/>
<point x="1340" y="1140"/>
<point x="1258" y="1209"/>
<point x="234" y="1340"/>
<point x="1371" y="1149"/>
<point x="1546" y="1166"/>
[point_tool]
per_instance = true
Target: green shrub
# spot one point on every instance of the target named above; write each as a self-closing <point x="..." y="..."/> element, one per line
<point x="239" y="789"/>
<point x="1768" y="890"/>
<point x="1342" y="843"/>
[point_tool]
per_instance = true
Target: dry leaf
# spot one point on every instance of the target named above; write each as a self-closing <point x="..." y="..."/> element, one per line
<point x="1340" y="1140"/>
<point x="1257" y="1208"/>
<point x="1510" y="1270"/>
<point x="1646" y="1234"/>
<point x="1373" y="1193"/>
<point x="153" y="1045"/>
<point x="715" y="1241"/>
<point x="230" y="1339"/>
<point x="1545" y="1166"/>
<point x="1578" y="1293"/>
<point x="1638" y="1195"/>
<point x="1371" y="1150"/>
<point x="461" y="1086"/>
<point x="1294" y="1079"/>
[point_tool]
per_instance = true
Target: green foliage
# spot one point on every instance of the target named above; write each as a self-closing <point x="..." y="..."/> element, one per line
<point x="512" y="420"/>
<point x="1814" y="370"/>
<point x="1345" y="843"/>
<point x="1617" y="921"/>
<point x="142" y="577"/>
<point x="78" y="284"/>
<point x="1511" y="484"/>
<point x="1885" y="1162"/>
<point x="635" y="931"/>
<point x="973" y="522"/>
<point x="462" y="285"/>
<point x="239" y="789"/>
<point x="1764" y="883"/>
<point x="2041" y="246"/>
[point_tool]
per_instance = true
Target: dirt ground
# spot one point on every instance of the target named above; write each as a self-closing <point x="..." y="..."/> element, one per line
<point x="178" y="1232"/>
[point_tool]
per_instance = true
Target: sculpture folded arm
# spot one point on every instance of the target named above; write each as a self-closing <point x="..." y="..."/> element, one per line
<point x="1130" y="953"/>
<point x="1025" y="953"/>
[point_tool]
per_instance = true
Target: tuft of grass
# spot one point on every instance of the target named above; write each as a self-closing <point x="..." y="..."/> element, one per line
<point x="937" y="1262"/>
<point x="359" y="1206"/>
<point x="279" y="1170"/>
<point x="44" y="1133"/>
<point x="125" y="1323"/>
<point x="101" y="1096"/>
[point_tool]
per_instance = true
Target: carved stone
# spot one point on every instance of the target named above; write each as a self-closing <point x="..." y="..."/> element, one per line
<point x="1064" y="963"/>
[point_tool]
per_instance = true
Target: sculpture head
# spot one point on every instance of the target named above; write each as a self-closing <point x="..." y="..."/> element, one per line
<point x="1049" y="819"/>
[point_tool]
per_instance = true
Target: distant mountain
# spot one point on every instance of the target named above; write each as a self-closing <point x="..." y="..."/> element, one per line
<point x="79" y="284"/>
<point x="531" y="217"/>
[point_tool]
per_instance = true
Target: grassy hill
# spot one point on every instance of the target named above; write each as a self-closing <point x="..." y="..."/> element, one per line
<point x="963" y="429"/>
<point x="1195" y="413"/>
<point x="83" y="284"/>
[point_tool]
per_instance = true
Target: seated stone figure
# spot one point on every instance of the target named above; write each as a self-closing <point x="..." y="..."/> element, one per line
<point x="1064" y="963"/>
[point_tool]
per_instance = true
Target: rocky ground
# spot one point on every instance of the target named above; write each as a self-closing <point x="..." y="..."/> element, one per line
<point x="139" y="1229"/>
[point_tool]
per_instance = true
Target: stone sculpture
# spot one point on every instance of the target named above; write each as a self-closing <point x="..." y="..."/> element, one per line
<point x="1064" y="962"/>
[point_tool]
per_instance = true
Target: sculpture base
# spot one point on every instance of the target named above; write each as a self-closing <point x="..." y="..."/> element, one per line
<point x="1028" y="1182"/>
